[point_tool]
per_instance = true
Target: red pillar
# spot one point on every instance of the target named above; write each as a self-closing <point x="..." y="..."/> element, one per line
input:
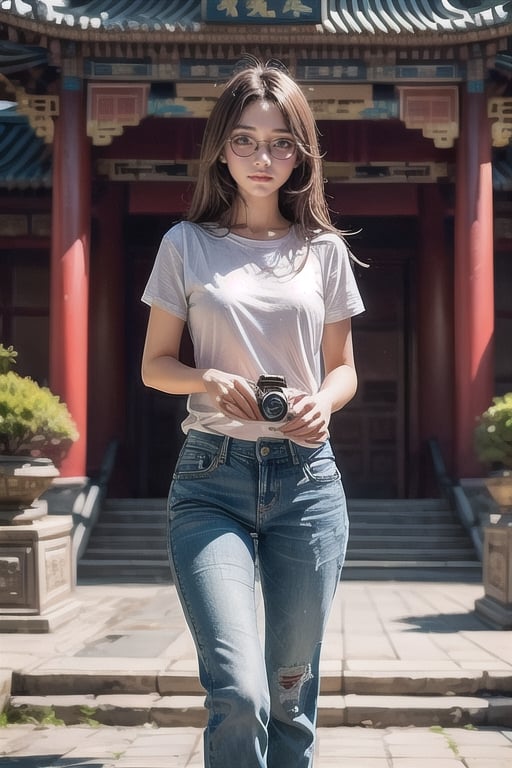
<point x="435" y="327"/>
<point x="107" y="326"/>
<point x="70" y="266"/>
<point x="474" y="279"/>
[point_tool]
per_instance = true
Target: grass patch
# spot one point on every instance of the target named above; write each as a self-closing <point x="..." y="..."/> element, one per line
<point x="27" y="715"/>
<point x="451" y="743"/>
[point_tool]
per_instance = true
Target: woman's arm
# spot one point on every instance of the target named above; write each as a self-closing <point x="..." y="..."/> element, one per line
<point x="312" y="413"/>
<point x="162" y="370"/>
<point x="161" y="367"/>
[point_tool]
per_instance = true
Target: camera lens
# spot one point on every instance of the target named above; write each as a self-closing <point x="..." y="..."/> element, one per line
<point x="274" y="406"/>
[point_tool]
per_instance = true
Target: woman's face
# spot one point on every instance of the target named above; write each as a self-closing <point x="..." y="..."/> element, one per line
<point x="262" y="132"/>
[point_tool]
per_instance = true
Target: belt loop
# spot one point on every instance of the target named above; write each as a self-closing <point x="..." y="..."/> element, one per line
<point x="293" y="452"/>
<point x="224" y="449"/>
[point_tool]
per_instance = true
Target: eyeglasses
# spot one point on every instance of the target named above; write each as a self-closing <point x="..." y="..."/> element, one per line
<point x="245" y="146"/>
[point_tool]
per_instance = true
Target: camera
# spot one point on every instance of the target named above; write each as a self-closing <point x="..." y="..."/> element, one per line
<point x="272" y="401"/>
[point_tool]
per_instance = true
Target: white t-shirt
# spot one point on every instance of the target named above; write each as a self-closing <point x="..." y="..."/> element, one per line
<point x="253" y="307"/>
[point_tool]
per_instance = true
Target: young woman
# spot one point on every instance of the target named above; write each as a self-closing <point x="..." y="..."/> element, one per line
<point x="265" y="284"/>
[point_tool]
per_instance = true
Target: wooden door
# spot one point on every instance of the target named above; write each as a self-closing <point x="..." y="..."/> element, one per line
<point x="370" y="436"/>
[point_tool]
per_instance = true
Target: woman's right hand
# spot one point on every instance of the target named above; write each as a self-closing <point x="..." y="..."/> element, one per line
<point x="232" y="395"/>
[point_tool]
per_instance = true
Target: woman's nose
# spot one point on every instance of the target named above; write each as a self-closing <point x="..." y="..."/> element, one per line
<point x="263" y="154"/>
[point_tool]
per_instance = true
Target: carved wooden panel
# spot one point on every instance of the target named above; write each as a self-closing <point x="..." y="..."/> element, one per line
<point x="434" y="111"/>
<point x="112" y="107"/>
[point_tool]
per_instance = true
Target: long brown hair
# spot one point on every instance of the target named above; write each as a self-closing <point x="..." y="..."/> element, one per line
<point x="301" y="198"/>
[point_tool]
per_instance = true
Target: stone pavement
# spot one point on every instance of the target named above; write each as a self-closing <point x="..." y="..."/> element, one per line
<point x="28" y="746"/>
<point x="397" y="654"/>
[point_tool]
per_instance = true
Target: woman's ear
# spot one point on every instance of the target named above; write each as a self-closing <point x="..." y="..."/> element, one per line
<point x="222" y="159"/>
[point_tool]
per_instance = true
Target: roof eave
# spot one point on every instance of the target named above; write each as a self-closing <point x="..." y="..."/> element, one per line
<point x="284" y="34"/>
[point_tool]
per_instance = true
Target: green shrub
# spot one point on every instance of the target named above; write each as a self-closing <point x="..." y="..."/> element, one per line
<point x="33" y="421"/>
<point x="493" y="434"/>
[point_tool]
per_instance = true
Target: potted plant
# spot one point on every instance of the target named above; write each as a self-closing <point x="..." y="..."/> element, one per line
<point x="36" y="432"/>
<point x="493" y="446"/>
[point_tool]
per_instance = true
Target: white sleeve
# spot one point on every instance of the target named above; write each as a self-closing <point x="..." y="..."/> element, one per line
<point x="166" y="284"/>
<point x="342" y="297"/>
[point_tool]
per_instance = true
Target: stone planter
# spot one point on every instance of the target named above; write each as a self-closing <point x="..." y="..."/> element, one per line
<point x="22" y="481"/>
<point x="36" y="575"/>
<point x="496" y="605"/>
<point x="500" y="488"/>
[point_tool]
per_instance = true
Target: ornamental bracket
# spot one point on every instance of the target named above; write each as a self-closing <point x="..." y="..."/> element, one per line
<point x="500" y="110"/>
<point x="38" y="109"/>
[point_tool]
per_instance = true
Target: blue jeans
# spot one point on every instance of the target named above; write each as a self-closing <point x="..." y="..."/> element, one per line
<point x="234" y="504"/>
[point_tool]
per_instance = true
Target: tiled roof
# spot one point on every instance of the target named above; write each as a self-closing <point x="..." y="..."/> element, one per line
<point x="119" y="15"/>
<point x="15" y="57"/>
<point x="414" y="16"/>
<point x="350" y="17"/>
<point x="25" y="160"/>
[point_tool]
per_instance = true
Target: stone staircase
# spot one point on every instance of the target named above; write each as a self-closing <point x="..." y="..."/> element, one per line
<point x="351" y="698"/>
<point x="407" y="535"/>
<point x="128" y="543"/>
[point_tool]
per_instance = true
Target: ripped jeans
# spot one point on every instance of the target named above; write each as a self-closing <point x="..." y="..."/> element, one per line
<point x="235" y="507"/>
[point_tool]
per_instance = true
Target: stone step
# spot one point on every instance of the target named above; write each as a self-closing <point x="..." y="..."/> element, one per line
<point x="369" y="679"/>
<point x="413" y="555"/>
<point x="406" y="529"/>
<point x="410" y="505"/>
<point x="334" y="710"/>
<point x="425" y="541"/>
<point x="372" y="695"/>
<point x="130" y="517"/>
<point x="424" y="569"/>
<point x="157" y="557"/>
<point x="132" y="532"/>
<point x="130" y="529"/>
<point x="157" y="572"/>
<point x="123" y="570"/>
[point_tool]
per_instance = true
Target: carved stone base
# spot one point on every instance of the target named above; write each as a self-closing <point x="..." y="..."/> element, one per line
<point x="45" y="622"/>
<point x="36" y="574"/>
<point x="496" y="605"/>
<point x="497" y="615"/>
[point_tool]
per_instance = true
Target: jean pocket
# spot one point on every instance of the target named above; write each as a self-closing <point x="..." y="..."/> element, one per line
<point x="320" y="466"/>
<point x="198" y="458"/>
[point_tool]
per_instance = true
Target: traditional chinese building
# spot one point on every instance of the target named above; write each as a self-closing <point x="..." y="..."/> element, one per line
<point x="103" y="109"/>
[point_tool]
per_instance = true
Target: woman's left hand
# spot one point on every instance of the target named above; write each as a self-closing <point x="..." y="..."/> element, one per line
<point x="309" y="417"/>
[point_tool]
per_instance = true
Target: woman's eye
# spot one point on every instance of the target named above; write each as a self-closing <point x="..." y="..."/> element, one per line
<point x="242" y="141"/>
<point x="283" y="143"/>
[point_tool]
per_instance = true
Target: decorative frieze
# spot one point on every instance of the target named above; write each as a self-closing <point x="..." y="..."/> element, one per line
<point x="384" y="71"/>
<point x="186" y="170"/>
<point x="24" y="224"/>
<point x="13" y="225"/>
<point x="386" y="172"/>
<point x="308" y="67"/>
